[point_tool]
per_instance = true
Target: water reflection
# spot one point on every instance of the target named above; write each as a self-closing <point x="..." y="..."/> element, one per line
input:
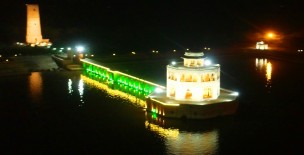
<point x="70" y="88"/>
<point x="76" y="85"/>
<point x="80" y="89"/>
<point x="127" y="94"/>
<point x="183" y="141"/>
<point x="35" y="85"/>
<point x="264" y="67"/>
<point x="178" y="140"/>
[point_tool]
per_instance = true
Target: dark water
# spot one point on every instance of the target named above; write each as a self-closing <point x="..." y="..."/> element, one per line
<point x="62" y="113"/>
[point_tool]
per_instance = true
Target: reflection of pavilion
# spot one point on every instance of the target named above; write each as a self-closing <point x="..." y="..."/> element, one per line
<point x="265" y="67"/>
<point x="179" y="140"/>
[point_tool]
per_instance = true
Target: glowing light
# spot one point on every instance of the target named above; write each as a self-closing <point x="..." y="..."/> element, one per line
<point x="114" y="54"/>
<point x="268" y="71"/>
<point x="35" y="85"/>
<point x="70" y="86"/>
<point x="270" y="35"/>
<point x="173" y="63"/>
<point x="79" y="49"/>
<point x="69" y="48"/>
<point x="261" y="45"/>
<point x="187" y="49"/>
<point x="92" y="55"/>
<point x="174" y="50"/>
<point x="158" y="90"/>
<point x="235" y="94"/>
<point x="54" y="49"/>
<point x="114" y="93"/>
<point x="6" y="60"/>
<point x="15" y="55"/>
<point x="163" y="103"/>
<point x="0" y="56"/>
<point x="207" y="62"/>
<point x="133" y="52"/>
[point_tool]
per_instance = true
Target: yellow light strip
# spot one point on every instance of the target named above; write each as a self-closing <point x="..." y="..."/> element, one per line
<point x="136" y="101"/>
<point x="163" y="103"/>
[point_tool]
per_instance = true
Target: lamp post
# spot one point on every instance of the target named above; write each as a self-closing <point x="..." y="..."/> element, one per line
<point x="80" y="50"/>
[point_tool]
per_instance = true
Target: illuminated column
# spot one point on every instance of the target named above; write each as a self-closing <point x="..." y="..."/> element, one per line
<point x="33" y="27"/>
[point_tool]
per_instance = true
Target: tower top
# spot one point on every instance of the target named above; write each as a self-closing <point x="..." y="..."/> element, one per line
<point x="194" y="55"/>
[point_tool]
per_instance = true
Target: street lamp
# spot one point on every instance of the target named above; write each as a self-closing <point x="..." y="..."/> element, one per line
<point x="79" y="49"/>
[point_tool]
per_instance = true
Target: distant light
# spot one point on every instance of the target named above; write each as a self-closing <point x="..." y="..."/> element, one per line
<point x="173" y="63"/>
<point x="235" y="94"/>
<point x="92" y="55"/>
<point x="133" y="53"/>
<point x="62" y="48"/>
<point x="156" y="51"/>
<point x="207" y="62"/>
<point x="187" y="49"/>
<point x="174" y="50"/>
<point x="17" y="43"/>
<point x="270" y="35"/>
<point x="6" y="60"/>
<point x="74" y="55"/>
<point x="54" y="49"/>
<point x="15" y="55"/>
<point x="86" y="55"/>
<point x="69" y="48"/>
<point x="158" y="90"/>
<point x="0" y="56"/>
<point x="153" y="51"/>
<point x="114" y="54"/>
<point x="208" y="48"/>
<point x="79" y="49"/>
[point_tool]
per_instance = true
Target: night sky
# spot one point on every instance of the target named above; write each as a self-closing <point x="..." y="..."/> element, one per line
<point x="114" y="25"/>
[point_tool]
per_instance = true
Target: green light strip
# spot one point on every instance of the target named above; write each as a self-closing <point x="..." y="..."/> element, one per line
<point x="119" y="77"/>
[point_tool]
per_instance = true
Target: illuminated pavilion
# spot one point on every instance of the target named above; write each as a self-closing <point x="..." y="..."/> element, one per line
<point x="194" y="79"/>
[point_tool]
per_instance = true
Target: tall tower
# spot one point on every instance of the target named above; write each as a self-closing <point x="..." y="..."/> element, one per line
<point x="33" y="26"/>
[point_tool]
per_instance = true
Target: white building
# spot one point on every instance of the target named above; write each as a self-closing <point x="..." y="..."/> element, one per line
<point x="194" y="79"/>
<point x="261" y="46"/>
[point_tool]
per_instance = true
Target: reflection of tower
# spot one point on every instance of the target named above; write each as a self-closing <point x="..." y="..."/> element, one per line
<point x="33" y="26"/>
<point x="35" y="85"/>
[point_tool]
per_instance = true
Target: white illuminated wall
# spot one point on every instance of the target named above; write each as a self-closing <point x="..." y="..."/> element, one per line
<point x="261" y="46"/>
<point x="193" y="83"/>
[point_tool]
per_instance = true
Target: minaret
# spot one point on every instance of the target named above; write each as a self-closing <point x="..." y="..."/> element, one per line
<point x="33" y="26"/>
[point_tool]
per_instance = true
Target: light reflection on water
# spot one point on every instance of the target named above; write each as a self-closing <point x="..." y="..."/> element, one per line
<point x="35" y="85"/>
<point x="264" y="67"/>
<point x="177" y="141"/>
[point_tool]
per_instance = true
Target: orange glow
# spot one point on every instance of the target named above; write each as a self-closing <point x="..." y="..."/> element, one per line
<point x="270" y="35"/>
<point x="35" y="85"/>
